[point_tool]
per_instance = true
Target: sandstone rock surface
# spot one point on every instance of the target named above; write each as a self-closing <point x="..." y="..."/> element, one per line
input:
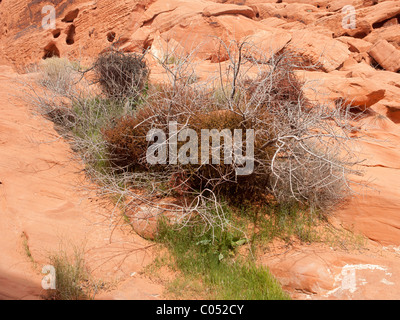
<point x="386" y="55"/>
<point x="36" y="193"/>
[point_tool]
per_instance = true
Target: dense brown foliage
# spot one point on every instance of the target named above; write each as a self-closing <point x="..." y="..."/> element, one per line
<point x="121" y="76"/>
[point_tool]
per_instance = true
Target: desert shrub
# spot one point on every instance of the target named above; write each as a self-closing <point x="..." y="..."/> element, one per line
<point x="53" y="89"/>
<point x="312" y="156"/>
<point x="58" y="74"/>
<point x="126" y="139"/>
<point x="296" y="143"/>
<point x="122" y="76"/>
<point x="222" y="178"/>
<point x="65" y="93"/>
<point x="93" y="113"/>
<point x="196" y="110"/>
<point x="301" y="149"/>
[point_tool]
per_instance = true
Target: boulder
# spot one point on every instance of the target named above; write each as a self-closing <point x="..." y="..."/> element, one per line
<point x="144" y="222"/>
<point x="356" y="92"/>
<point x="220" y="9"/>
<point x="319" y="273"/>
<point x="264" y="44"/>
<point x="356" y="45"/>
<point x="164" y="15"/>
<point x="391" y="34"/>
<point x="139" y="40"/>
<point x="204" y="34"/>
<point x="319" y="49"/>
<point x="380" y="14"/>
<point x="333" y="5"/>
<point x="367" y="19"/>
<point x="302" y="12"/>
<point x="145" y="218"/>
<point x="267" y="10"/>
<point x="359" y="70"/>
<point x="273" y="22"/>
<point x="166" y="51"/>
<point x="391" y="82"/>
<point x="386" y="55"/>
<point x="392" y="22"/>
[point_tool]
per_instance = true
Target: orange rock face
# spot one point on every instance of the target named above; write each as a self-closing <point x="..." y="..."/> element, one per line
<point x="386" y="55"/>
<point x="358" y="64"/>
<point x="39" y="198"/>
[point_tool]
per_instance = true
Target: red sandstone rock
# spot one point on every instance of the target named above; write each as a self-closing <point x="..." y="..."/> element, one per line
<point x="264" y="44"/>
<point x="356" y="92"/>
<point x="367" y="19"/>
<point x="319" y="49"/>
<point x="391" y="34"/>
<point x="386" y="55"/>
<point x="145" y="219"/>
<point x="220" y="9"/>
<point x="355" y="44"/>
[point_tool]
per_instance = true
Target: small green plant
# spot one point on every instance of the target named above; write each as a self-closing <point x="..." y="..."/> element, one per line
<point x="72" y="277"/>
<point x="291" y="222"/>
<point x="26" y="247"/>
<point x="285" y="221"/>
<point x="184" y="288"/>
<point x="212" y="257"/>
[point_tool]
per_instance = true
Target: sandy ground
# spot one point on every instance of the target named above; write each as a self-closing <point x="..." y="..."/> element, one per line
<point x="44" y="194"/>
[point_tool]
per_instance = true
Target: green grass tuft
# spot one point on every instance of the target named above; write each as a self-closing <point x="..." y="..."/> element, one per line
<point x="213" y="259"/>
<point x="72" y="277"/>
